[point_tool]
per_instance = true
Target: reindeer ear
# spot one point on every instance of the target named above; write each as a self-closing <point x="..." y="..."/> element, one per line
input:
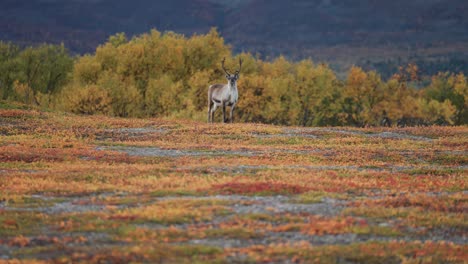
<point x="227" y="76"/>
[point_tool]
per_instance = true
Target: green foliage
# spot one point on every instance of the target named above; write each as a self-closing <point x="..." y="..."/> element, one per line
<point x="451" y="89"/>
<point x="167" y="75"/>
<point x="34" y="73"/>
<point x="8" y="68"/>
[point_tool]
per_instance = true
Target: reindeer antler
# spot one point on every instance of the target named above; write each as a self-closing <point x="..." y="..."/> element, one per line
<point x="222" y="64"/>
<point x="240" y="66"/>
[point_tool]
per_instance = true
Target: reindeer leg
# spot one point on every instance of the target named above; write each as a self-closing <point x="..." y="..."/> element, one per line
<point x="213" y="109"/>
<point x="224" y="112"/>
<point x="232" y="112"/>
<point x="210" y="105"/>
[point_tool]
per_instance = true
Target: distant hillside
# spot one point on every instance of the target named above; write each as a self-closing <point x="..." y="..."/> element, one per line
<point x="371" y="33"/>
<point x="375" y="34"/>
<point x="84" y="24"/>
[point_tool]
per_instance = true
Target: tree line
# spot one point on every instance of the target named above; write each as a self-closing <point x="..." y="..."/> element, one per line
<point x="167" y="75"/>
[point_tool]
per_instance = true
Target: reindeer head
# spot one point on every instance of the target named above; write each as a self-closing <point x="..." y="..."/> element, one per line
<point x="232" y="78"/>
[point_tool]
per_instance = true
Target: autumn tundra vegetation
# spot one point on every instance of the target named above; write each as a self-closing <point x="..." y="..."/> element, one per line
<point x="108" y="158"/>
<point x="98" y="189"/>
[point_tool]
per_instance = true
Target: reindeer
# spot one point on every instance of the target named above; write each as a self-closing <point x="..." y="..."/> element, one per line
<point x="224" y="94"/>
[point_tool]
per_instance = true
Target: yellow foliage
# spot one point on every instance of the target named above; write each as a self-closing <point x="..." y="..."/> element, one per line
<point x="434" y="111"/>
<point x="162" y="96"/>
<point x="90" y="99"/>
<point x="24" y="93"/>
<point x="86" y="70"/>
<point x="199" y="83"/>
<point x="168" y="75"/>
<point x="107" y="56"/>
<point x="460" y="85"/>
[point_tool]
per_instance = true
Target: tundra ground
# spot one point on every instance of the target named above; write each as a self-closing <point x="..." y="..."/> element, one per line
<point x="97" y="189"/>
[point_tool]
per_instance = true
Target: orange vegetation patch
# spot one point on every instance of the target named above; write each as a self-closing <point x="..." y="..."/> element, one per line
<point x="258" y="188"/>
<point x="370" y="252"/>
<point x="17" y="113"/>
<point x="455" y="203"/>
<point x="322" y="226"/>
<point x="22" y="241"/>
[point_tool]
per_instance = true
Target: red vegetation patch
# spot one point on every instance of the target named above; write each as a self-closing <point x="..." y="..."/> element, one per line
<point x="10" y="224"/>
<point x="26" y="154"/>
<point x="29" y="155"/>
<point x="260" y="188"/>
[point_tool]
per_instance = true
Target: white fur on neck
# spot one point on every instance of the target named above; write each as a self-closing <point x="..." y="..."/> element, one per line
<point x="234" y="94"/>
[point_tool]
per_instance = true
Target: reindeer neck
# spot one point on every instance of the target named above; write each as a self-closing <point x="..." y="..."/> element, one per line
<point x="232" y="87"/>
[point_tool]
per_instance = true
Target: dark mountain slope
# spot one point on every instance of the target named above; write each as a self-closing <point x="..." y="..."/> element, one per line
<point x="359" y="22"/>
<point x="367" y="32"/>
<point x="83" y="24"/>
<point x="372" y="33"/>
